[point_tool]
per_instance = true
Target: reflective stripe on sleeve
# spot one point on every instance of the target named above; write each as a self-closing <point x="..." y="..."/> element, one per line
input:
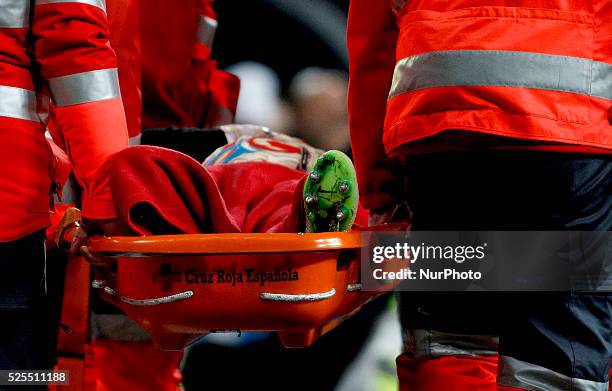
<point x="206" y="31"/>
<point x="85" y="87"/>
<point x="96" y="3"/>
<point x="430" y="344"/>
<point x="14" y="13"/>
<point x="135" y="140"/>
<point x="523" y="375"/>
<point x="602" y="80"/>
<point x="502" y="69"/>
<point x="18" y="103"/>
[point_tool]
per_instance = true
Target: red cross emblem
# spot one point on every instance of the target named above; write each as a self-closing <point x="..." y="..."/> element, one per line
<point x="167" y="277"/>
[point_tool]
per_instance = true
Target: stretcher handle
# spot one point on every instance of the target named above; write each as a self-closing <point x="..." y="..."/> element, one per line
<point x="222" y="244"/>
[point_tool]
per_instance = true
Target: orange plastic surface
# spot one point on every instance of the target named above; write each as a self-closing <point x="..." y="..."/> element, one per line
<point x="261" y="243"/>
<point x="179" y="287"/>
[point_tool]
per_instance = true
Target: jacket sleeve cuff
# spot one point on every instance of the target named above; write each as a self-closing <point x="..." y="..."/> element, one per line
<point x="98" y="208"/>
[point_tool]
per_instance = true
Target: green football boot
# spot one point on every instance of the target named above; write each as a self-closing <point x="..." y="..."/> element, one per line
<point x="330" y="194"/>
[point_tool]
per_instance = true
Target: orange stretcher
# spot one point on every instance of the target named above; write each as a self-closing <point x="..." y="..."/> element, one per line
<point x="179" y="287"/>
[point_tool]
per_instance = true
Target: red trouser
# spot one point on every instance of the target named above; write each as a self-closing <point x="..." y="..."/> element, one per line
<point x="450" y="373"/>
<point x="113" y="365"/>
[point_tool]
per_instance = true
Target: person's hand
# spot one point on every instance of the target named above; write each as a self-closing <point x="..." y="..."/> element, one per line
<point x="90" y="227"/>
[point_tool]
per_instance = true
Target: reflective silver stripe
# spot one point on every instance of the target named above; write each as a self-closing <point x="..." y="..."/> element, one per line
<point x="43" y="107"/>
<point x="18" y="103"/>
<point x="502" y="68"/>
<point x="96" y="3"/>
<point x="14" y="13"/>
<point x="602" y="80"/>
<point x="85" y="87"/>
<point x="430" y="344"/>
<point x="135" y="140"/>
<point x="206" y="31"/>
<point x="521" y="374"/>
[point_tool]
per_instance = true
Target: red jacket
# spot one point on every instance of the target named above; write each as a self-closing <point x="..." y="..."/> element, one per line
<point x="166" y="73"/>
<point x="436" y="75"/>
<point x="181" y="84"/>
<point x="59" y="46"/>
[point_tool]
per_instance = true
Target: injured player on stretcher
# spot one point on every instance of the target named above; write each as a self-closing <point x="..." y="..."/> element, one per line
<point x="263" y="182"/>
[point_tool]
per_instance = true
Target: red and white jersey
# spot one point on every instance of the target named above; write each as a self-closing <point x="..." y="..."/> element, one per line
<point x="56" y="48"/>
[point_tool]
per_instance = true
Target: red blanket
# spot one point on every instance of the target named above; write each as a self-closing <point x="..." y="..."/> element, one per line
<point x="160" y="191"/>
